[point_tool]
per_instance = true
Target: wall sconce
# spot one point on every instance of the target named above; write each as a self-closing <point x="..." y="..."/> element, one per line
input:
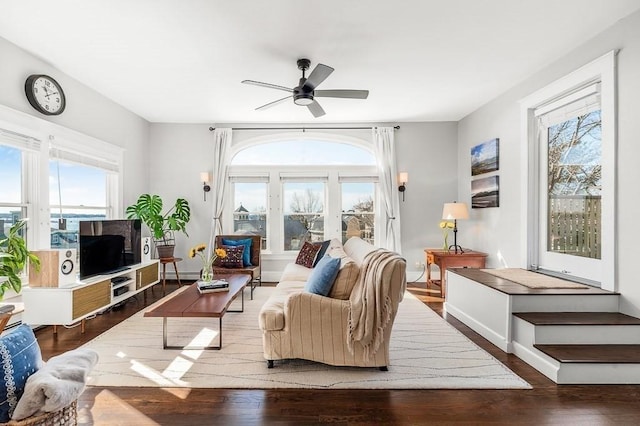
<point x="205" y="178"/>
<point x="403" y="178"/>
<point x="455" y="211"/>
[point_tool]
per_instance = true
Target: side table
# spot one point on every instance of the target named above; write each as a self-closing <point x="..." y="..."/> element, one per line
<point x="163" y="262"/>
<point x="450" y="259"/>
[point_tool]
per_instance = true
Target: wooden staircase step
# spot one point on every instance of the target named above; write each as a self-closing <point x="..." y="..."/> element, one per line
<point x="577" y="318"/>
<point x="623" y="354"/>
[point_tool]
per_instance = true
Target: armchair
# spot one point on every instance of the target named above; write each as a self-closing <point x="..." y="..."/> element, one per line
<point x="254" y="270"/>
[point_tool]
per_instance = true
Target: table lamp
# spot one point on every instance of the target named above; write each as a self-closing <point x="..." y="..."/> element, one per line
<point x="455" y="211"/>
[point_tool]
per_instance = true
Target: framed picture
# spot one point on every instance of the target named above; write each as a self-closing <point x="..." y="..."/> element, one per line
<point x="485" y="157"/>
<point x="485" y="192"/>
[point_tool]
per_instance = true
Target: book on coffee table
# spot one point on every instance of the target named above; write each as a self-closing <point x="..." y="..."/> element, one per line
<point x="212" y="286"/>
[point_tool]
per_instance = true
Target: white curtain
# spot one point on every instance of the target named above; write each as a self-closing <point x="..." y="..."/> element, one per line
<point x="383" y="141"/>
<point x="222" y="146"/>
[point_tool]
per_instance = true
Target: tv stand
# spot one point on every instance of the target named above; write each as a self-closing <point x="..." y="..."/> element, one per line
<point x="75" y="302"/>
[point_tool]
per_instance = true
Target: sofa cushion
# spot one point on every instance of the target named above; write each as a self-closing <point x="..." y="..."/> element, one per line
<point x="307" y="254"/>
<point x="233" y="259"/>
<point x="246" y="255"/>
<point x="20" y="357"/>
<point x="323" y="275"/>
<point x="358" y="249"/>
<point x="347" y="274"/>
<point x="294" y="272"/>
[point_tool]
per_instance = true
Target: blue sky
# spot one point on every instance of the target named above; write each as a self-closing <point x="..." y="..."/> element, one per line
<point x="80" y="185"/>
<point x="484" y="151"/>
<point x="86" y="185"/>
<point x="302" y="152"/>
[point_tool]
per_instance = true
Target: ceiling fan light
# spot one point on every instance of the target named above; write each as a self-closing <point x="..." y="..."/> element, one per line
<point x="303" y="100"/>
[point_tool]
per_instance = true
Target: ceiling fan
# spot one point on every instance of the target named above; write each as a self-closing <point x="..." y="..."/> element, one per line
<point x="305" y="92"/>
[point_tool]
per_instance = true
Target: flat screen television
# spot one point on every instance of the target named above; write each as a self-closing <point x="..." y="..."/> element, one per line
<point x="109" y="246"/>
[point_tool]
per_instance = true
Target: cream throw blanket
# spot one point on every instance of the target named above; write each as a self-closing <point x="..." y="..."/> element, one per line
<point x="371" y="306"/>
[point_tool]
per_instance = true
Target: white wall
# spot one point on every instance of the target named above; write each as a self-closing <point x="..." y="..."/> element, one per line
<point x="497" y="230"/>
<point x="179" y="152"/>
<point x="427" y="151"/>
<point x="87" y="112"/>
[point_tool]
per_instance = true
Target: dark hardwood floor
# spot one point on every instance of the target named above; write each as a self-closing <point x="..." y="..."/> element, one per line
<point x="545" y="404"/>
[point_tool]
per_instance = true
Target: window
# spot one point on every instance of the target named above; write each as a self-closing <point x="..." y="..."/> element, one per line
<point x="358" y="217"/>
<point x="18" y="165"/>
<point x="250" y="213"/>
<point x="303" y="188"/>
<point x="573" y="186"/>
<point x="571" y="192"/>
<point x="12" y="207"/>
<point x="84" y="184"/>
<point x="76" y="192"/>
<point x="303" y="218"/>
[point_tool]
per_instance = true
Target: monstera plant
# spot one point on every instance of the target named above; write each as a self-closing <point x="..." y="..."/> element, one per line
<point x="13" y="259"/>
<point x="162" y="225"/>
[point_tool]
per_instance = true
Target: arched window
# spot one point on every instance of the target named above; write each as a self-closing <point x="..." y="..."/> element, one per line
<point x="296" y="188"/>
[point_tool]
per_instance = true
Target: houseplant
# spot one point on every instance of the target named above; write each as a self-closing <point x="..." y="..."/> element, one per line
<point x="148" y="208"/>
<point x="13" y="259"/>
<point x="206" y="274"/>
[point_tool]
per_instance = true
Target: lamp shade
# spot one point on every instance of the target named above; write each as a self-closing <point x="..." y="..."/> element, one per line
<point x="452" y="211"/>
<point x="205" y="177"/>
<point x="403" y="177"/>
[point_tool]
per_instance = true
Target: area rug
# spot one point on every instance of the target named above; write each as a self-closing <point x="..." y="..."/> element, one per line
<point x="426" y="353"/>
<point x="532" y="279"/>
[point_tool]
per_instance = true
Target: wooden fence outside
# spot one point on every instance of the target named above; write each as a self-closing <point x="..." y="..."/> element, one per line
<point x="575" y="225"/>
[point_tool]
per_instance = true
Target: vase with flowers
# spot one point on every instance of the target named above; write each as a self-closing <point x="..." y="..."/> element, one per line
<point x="445" y="225"/>
<point x="206" y="273"/>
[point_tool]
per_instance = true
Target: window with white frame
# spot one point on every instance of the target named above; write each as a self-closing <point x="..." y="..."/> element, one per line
<point x="358" y="209"/>
<point x="250" y="207"/>
<point x="18" y="154"/>
<point x="303" y="210"/>
<point x="571" y="134"/>
<point x="82" y="186"/>
<point x="306" y="189"/>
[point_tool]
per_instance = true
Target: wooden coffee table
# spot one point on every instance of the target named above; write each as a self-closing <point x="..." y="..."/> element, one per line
<point x="188" y="302"/>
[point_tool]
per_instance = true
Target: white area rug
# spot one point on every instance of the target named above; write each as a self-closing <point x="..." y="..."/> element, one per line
<point x="426" y="353"/>
<point x="532" y="279"/>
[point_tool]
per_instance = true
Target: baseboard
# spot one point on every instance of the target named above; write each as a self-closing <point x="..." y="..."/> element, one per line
<point x="478" y="327"/>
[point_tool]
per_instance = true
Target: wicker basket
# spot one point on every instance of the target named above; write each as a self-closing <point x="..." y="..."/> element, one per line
<point x="68" y="416"/>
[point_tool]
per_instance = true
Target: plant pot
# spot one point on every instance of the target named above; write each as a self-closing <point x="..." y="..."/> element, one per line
<point x="166" y="251"/>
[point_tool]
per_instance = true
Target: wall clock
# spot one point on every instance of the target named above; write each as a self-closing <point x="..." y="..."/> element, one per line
<point x="45" y="94"/>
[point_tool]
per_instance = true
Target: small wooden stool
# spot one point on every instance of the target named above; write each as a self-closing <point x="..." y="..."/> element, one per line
<point x="164" y="262"/>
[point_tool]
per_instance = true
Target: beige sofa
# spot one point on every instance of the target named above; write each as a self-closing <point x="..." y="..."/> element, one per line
<point x="298" y="324"/>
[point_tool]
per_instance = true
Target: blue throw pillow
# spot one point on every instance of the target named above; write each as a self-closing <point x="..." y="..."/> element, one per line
<point x="246" y="256"/>
<point x="20" y="356"/>
<point x="323" y="275"/>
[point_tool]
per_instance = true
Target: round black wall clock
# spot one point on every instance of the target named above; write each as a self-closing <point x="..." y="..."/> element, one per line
<point x="45" y="94"/>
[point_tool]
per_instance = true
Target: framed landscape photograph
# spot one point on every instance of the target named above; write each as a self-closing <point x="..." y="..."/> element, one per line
<point x="485" y="157"/>
<point x="485" y="192"/>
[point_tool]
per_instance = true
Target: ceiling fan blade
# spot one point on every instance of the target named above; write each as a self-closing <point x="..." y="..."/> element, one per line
<point x="270" y="104"/>
<point x="267" y="85"/>
<point x="351" y="94"/>
<point x="316" y="109"/>
<point x="317" y="76"/>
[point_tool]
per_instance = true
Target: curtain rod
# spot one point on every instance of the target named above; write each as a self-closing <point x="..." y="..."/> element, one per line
<point x="302" y="128"/>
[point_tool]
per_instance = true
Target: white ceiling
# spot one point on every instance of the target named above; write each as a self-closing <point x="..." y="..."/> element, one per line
<point x="421" y="60"/>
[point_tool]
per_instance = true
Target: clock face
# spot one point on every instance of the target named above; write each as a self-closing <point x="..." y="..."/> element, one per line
<point x="45" y="94"/>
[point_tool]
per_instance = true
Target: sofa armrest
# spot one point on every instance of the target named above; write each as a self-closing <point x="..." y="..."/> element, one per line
<point x="307" y="312"/>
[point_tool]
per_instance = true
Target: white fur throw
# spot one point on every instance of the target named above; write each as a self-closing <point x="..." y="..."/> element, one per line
<point x="57" y="384"/>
